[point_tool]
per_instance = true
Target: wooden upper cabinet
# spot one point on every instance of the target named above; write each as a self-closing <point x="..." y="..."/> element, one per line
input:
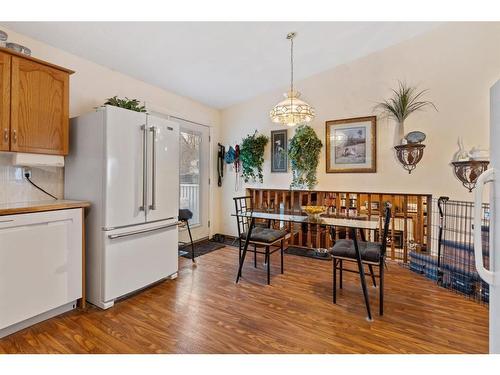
<point x="39" y="118"/>
<point x="4" y="101"/>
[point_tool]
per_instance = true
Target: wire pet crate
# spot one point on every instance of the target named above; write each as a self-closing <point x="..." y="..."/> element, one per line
<point x="451" y="259"/>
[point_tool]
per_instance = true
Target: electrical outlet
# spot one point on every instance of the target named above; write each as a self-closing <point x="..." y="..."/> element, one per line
<point x="27" y="172"/>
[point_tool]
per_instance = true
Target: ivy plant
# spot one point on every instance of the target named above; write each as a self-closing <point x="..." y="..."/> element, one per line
<point x="304" y="150"/>
<point x="252" y="156"/>
<point x="132" y="104"/>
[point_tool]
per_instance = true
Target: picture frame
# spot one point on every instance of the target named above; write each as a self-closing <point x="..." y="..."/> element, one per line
<point x="351" y="145"/>
<point x="279" y="151"/>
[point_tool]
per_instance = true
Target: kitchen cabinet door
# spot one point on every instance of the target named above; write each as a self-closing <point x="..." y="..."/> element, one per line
<point x="40" y="263"/>
<point x="4" y="101"/>
<point x="39" y="108"/>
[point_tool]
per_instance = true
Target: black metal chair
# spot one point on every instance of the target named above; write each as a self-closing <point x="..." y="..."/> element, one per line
<point x="184" y="216"/>
<point x="372" y="255"/>
<point x="261" y="235"/>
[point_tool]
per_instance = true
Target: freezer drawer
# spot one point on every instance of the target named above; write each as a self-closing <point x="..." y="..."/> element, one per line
<point x="40" y="263"/>
<point x="137" y="257"/>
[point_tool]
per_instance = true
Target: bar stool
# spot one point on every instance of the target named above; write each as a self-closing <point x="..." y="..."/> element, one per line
<point x="184" y="216"/>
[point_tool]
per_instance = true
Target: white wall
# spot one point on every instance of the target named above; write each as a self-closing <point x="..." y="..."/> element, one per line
<point x="457" y="62"/>
<point x="89" y="87"/>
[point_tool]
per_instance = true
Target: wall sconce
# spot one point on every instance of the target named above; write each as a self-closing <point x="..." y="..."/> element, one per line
<point x="409" y="155"/>
<point x="468" y="171"/>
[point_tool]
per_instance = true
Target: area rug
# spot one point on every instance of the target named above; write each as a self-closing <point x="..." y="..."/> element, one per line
<point x="200" y="248"/>
<point x="309" y="253"/>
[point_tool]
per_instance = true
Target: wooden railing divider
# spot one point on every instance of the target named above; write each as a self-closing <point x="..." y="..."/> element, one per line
<point x="410" y="216"/>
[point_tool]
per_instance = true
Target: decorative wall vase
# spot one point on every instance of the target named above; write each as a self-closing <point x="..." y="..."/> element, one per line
<point x="399" y="133"/>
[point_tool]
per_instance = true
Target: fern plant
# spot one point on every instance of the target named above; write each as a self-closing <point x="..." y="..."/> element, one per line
<point x="252" y="157"/>
<point x="303" y="151"/>
<point x="132" y="104"/>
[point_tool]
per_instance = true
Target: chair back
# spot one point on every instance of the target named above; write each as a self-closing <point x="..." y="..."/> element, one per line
<point x="387" y="220"/>
<point x="243" y="204"/>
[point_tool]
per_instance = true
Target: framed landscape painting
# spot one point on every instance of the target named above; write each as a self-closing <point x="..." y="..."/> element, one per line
<point x="279" y="151"/>
<point x="351" y="145"/>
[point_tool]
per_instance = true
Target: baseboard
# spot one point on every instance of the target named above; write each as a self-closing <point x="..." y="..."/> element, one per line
<point x="37" y="319"/>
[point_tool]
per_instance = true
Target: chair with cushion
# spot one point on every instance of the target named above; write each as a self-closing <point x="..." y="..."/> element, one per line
<point x="372" y="255"/>
<point x="262" y="236"/>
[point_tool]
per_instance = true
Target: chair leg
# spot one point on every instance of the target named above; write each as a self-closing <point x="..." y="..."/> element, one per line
<point x="255" y="256"/>
<point x="381" y="287"/>
<point x="373" y="275"/>
<point x="281" y="248"/>
<point x="341" y="268"/>
<point x="362" y="278"/>
<point x="190" y="239"/>
<point x="334" y="280"/>
<point x="245" y="249"/>
<point x="268" y="266"/>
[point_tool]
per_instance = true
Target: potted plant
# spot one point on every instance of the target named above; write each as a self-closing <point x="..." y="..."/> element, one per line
<point x="303" y="151"/>
<point x="405" y="101"/>
<point x="252" y="156"/>
<point x="132" y="104"/>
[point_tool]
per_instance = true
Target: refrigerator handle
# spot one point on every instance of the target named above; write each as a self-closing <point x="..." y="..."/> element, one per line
<point x="136" y="232"/>
<point x="153" y="168"/>
<point x="144" y="168"/>
<point x="484" y="178"/>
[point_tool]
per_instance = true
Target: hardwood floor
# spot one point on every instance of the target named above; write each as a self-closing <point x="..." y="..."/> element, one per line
<point x="204" y="311"/>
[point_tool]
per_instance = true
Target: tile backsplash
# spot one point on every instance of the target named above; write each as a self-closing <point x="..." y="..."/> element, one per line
<point x="15" y="188"/>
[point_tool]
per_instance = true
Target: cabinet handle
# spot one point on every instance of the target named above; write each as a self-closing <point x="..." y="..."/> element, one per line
<point x="14" y="136"/>
<point x="6" y="135"/>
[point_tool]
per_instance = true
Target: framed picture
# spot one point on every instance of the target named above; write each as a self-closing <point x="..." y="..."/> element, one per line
<point x="351" y="145"/>
<point x="279" y="151"/>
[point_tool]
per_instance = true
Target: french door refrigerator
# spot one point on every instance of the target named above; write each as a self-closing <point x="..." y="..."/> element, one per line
<point x="126" y="164"/>
<point x="492" y="177"/>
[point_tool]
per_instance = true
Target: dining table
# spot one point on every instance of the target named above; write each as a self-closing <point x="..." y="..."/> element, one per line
<point x="352" y="224"/>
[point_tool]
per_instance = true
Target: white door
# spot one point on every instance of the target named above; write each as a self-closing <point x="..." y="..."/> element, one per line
<point x="194" y="149"/>
<point x="124" y="199"/>
<point x="163" y="169"/>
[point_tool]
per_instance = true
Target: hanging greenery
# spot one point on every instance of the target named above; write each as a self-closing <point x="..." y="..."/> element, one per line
<point x="252" y="156"/>
<point x="303" y="151"/>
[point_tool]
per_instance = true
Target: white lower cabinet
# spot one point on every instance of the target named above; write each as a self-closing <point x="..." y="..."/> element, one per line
<point x="40" y="266"/>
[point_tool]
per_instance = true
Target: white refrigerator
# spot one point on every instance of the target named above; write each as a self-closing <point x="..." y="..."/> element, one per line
<point x="126" y="164"/>
<point x="491" y="177"/>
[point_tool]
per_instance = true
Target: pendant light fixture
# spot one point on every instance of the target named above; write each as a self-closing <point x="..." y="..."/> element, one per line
<point x="292" y="111"/>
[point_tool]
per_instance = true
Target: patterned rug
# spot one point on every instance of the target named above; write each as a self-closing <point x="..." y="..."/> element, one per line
<point x="200" y="248"/>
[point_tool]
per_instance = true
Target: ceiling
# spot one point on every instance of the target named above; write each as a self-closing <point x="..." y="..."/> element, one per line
<point x="219" y="63"/>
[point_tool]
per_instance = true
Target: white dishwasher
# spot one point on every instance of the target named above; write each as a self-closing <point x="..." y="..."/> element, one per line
<point x="40" y="266"/>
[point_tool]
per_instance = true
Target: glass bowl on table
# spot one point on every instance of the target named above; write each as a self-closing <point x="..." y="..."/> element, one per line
<point x="314" y="212"/>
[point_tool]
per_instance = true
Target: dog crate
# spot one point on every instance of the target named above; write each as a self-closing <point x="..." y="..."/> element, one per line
<point x="456" y="269"/>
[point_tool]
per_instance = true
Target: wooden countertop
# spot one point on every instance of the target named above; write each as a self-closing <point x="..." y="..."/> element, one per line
<point x="39" y="206"/>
